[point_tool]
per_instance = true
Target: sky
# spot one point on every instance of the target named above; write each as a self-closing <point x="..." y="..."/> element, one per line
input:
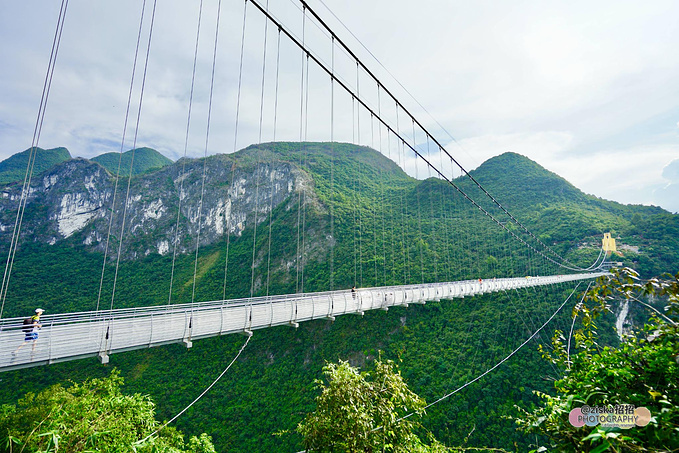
<point x="589" y="90"/>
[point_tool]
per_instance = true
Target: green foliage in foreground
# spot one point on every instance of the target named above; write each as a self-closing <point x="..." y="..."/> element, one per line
<point x="369" y="412"/>
<point x="389" y="229"/>
<point x="362" y="412"/>
<point x="93" y="416"/>
<point x="643" y="371"/>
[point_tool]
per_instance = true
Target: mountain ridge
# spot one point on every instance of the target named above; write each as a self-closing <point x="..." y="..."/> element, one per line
<point x="14" y="167"/>
<point x="336" y="213"/>
<point x="69" y="198"/>
<point x="145" y="160"/>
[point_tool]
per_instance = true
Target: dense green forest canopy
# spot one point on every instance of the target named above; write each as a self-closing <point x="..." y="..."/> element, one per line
<point x="145" y="159"/>
<point x="92" y="416"/>
<point x="639" y="378"/>
<point x="14" y="167"/>
<point x="388" y="228"/>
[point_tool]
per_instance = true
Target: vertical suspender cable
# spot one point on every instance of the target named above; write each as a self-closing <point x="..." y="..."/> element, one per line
<point x="175" y="240"/>
<point x="106" y="338"/>
<point x="407" y="271"/>
<point x="359" y="201"/>
<point x="25" y="190"/>
<point x="444" y="223"/>
<point x="445" y="226"/>
<point x="240" y="77"/>
<point x="301" y="136"/>
<point x="305" y="155"/>
<point x="355" y="190"/>
<point x="134" y="145"/>
<point x="228" y="230"/>
<point x="332" y="166"/>
<point x="404" y="247"/>
<point x="261" y="102"/>
<point x="381" y="193"/>
<point x="372" y="142"/>
<point x="419" y="216"/>
<point x="275" y="119"/>
<point x="207" y="141"/>
<point x="258" y="164"/>
<point x="432" y="219"/>
<point x="391" y="216"/>
<point x="120" y="155"/>
<point x="235" y="139"/>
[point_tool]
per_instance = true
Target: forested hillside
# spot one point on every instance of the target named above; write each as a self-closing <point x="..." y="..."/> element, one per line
<point x="566" y="218"/>
<point x="145" y="159"/>
<point x="352" y="217"/>
<point x="14" y="168"/>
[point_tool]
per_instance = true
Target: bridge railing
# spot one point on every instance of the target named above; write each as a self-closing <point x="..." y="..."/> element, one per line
<point x="73" y="335"/>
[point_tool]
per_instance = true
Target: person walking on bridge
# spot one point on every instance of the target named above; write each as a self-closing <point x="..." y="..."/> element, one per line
<point x="30" y="328"/>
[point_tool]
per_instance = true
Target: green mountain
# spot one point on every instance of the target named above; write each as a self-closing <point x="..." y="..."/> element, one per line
<point x="564" y="217"/>
<point x="339" y="215"/>
<point x="145" y="160"/>
<point x="13" y="168"/>
<point x="519" y="180"/>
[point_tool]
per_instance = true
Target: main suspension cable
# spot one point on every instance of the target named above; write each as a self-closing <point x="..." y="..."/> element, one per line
<point x="509" y="356"/>
<point x="380" y="85"/>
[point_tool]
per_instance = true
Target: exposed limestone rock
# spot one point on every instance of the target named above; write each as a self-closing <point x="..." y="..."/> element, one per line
<point x="76" y="197"/>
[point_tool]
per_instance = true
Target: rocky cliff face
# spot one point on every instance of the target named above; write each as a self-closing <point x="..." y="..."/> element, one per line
<point x="74" y="201"/>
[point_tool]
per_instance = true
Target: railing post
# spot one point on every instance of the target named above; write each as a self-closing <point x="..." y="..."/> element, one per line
<point x="49" y="345"/>
<point x="270" y="311"/>
<point x="187" y="339"/>
<point x="103" y="353"/>
<point x="221" y="318"/>
<point x="151" y="332"/>
<point x="313" y="306"/>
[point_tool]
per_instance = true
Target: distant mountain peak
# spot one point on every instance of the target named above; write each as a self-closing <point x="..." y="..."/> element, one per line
<point x="145" y="159"/>
<point x="296" y="152"/>
<point x="14" y="167"/>
<point x="518" y="179"/>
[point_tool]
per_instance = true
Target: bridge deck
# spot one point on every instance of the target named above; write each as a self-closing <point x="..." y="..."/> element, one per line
<point x="89" y="334"/>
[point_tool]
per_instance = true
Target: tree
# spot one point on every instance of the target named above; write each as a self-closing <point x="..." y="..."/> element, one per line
<point x="362" y="412"/>
<point x="643" y="371"/>
<point x="93" y="416"/>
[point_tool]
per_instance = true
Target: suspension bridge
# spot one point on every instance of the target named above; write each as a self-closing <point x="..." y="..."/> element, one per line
<point x="78" y="335"/>
<point x="359" y="105"/>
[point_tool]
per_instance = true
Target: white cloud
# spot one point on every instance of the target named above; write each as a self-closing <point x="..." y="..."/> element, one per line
<point x="668" y="195"/>
<point x="671" y="171"/>
<point x="540" y="146"/>
<point x="627" y="175"/>
<point x="576" y="86"/>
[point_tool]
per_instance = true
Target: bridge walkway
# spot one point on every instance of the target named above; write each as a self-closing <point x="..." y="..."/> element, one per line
<point x="73" y="336"/>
